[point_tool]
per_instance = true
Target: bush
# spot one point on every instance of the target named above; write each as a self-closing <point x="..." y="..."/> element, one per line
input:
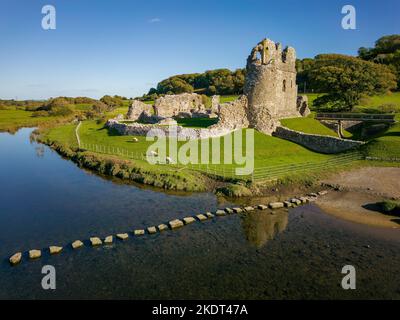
<point x="234" y="190"/>
<point x="389" y="108"/>
<point x="40" y="113"/>
<point x="389" y="206"/>
<point x="61" y="111"/>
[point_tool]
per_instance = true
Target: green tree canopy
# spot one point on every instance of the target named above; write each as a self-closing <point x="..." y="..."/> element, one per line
<point x="346" y="79"/>
<point x="386" y="51"/>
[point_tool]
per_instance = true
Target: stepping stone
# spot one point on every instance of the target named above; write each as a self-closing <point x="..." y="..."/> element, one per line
<point x="312" y="194"/>
<point x="276" y="205"/>
<point x="122" y="236"/>
<point x="201" y="217"/>
<point x="108" y="240"/>
<point x="162" y="227"/>
<point x="228" y="210"/>
<point x="174" y="224"/>
<point x="77" y="244"/>
<point x="15" y="258"/>
<point x="152" y="230"/>
<point x="237" y="210"/>
<point x="95" y="241"/>
<point x="188" y="220"/>
<point x="295" y="201"/>
<point x="249" y="208"/>
<point x="288" y="204"/>
<point x="303" y="199"/>
<point x="138" y="232"/>
<point x="323" y="192"/>
<point x="220" y="213"/>
<point x="262" y="207"/>
<point x="55" y="249"/>
<point x="209" y="215"/>
<point x="35" y="254"/>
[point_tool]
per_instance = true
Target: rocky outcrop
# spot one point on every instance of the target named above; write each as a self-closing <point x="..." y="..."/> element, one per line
<point x="315" y="142"/>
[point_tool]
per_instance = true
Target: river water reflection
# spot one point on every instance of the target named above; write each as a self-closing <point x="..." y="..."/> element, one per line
<point x="47" y="200"/>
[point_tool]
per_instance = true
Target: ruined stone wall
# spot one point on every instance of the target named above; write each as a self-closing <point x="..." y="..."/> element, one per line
<point x="232" y="115"/>
<point x="318" y="143"/>
<point x="140" y="129"/>
<point x="139" y="111"/>
<point x="180" y="105"/>
<point x="270" y="85"/>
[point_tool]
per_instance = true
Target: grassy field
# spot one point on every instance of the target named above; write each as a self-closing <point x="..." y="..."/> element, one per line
<point x="308" y="125"/>
<point x="12" y="119"/>
<point x="268" y="150"/>
<point x="386" y="144"/>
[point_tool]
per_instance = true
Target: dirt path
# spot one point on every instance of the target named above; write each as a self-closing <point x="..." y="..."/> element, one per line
<point x="360" y="189"/>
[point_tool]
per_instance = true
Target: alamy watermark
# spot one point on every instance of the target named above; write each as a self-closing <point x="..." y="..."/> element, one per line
<point x="349" y="20"/>
<point x="49" y="19"/>
<point x="168" y="148"/>
<point x="49" y="280"/>
<point x="349" y="280"/>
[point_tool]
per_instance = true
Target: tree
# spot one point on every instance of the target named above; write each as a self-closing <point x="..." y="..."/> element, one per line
<point x="346" y="79"/>
<point x="386" y="51"/>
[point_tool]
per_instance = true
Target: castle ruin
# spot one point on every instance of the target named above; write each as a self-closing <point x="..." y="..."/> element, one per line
<point x="270" y="85"/>
<point x="270" y="94"/>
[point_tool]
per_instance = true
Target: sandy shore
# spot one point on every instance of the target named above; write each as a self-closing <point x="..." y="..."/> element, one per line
<point x="360" y="189"/>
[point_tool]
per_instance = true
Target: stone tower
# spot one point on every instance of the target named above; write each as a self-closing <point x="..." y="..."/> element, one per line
<point x="270" y="85"/>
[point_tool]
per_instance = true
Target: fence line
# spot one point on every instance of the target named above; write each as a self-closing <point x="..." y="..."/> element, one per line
<point x="229" y="173"/>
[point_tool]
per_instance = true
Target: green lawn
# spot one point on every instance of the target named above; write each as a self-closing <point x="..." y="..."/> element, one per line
<point x="197" y="122"/>
<point x="268" y="150"/>
<point x="12" y="119"/>
<point x="308" y="125"/>
<point x="387" y="144"/>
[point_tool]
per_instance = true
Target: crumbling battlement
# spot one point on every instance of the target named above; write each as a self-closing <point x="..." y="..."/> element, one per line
<point x="270" y="85"/>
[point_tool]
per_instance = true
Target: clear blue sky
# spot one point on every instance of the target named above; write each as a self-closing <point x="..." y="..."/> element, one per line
<point x="125" y="47"/>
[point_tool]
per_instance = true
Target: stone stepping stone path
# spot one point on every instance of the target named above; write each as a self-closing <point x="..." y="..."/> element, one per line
<point x="16" y="258"/>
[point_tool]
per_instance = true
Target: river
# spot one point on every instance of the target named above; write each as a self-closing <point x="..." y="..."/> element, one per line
<point x="47" y="200"/>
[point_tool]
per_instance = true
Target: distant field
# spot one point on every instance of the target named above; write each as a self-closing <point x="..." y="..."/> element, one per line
<point x="12" y="119"/>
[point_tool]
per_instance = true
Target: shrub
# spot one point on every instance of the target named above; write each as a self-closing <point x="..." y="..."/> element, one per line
<point x="389" y="108"/>
<point x="389" y="206"/>
<point x="234" y="190"/>
<point x="40" y="113"/>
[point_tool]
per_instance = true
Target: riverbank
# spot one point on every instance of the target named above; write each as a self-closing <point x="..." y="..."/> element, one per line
<point x="358" y="191"/>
